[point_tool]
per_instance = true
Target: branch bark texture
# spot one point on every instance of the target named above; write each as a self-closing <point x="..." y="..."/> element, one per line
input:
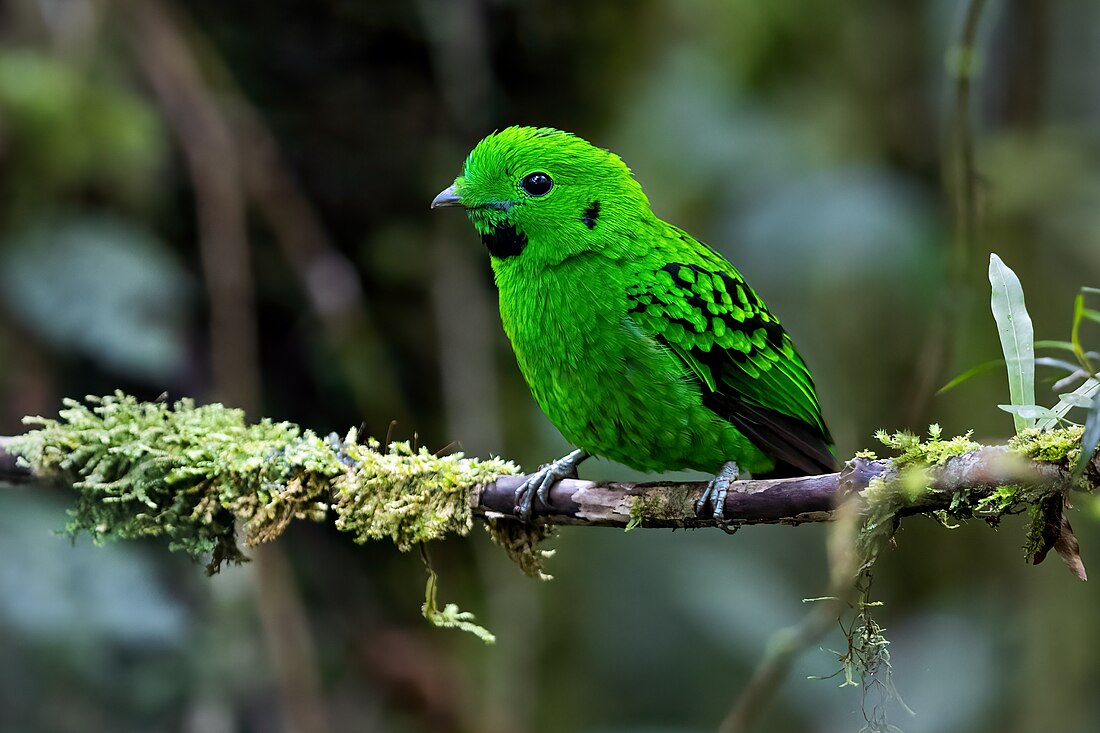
<point x="779" y="501"/>
<point x="767" y="501"/>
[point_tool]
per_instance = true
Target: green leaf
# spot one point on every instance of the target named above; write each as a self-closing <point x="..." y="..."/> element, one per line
<point x="1090" y="388"/>
<point x="1080" y="314"/>
<point x="1076" y="400"/>
<point x="1089" y="439"/>
<point x="1017" y="336"/>
<point x="1055" y="363"/>
<point x="970" y="373"/>
<point x="1065" y="346"/>
<point x="1028" y="412"/>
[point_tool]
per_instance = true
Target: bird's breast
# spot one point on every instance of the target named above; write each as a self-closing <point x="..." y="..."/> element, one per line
<point x="560" y="319"/>
<point x="609" y="388"/>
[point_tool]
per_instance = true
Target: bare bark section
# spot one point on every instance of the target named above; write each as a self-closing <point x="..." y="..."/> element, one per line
<point x="772" y="501"/>
<point x="608" y="504"/>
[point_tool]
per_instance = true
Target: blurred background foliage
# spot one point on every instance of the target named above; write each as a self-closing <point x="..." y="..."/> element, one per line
<point x="230" y="201"/>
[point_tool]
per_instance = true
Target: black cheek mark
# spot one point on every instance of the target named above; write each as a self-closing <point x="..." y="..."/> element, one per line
<point x="591" y="214"/>
<point x="504" y="241"/>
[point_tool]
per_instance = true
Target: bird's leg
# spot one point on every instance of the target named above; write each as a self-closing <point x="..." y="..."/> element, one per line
<point x="717" y="490"/>
<point x="541" y="480"/>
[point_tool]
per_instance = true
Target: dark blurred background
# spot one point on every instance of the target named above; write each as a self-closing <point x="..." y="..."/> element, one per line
<point x="229" y="200"/>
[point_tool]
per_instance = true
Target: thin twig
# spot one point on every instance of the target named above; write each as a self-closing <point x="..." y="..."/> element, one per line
<point x="786" y="645"/>
<point x="328" y="277"/>
<point x="214" y="164"/>
<point x="964" y="186"/>
<point x="962" y="190"/>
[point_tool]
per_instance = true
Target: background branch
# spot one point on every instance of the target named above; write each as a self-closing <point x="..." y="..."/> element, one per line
<point x="787" y="644"/>
<point x="218" y="173"/>
<point x="961" y="188"/>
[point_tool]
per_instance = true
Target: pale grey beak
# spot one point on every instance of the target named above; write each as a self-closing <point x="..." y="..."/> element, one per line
<point x="447" y="197"/>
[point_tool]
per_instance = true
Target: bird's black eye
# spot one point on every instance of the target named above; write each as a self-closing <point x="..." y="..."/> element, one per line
<point x="537" y="184"/>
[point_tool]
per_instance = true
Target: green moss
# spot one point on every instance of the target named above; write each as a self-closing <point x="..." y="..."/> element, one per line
<point x="1035" y="540"/>
<point x="190" y="474"/>
<point x="885" y="496"/>
<point x="450" y="617"/>
<point x="882" y="498"/>
<point x="408" y="496"/>
<point x="916" y="457"/>
<point x="663" y="507"/>
<point x="1061" y="446"/>
<point x="521" y="541"/>
<point x="195" y="475"/>
<point x="933" y="452"/>
<point x="1001" y="501"/>
<point x="904" y="490"/>
<point x="640" y="510"/>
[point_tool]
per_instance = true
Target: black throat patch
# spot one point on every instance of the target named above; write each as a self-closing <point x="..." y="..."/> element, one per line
<point x="591" y="214"/>
<point x="504" y="241"/>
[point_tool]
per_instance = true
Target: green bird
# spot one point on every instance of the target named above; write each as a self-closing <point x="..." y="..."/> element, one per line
<point x="639" y="342"/>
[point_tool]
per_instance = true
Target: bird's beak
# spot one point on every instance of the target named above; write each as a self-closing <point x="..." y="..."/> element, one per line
<point x="447" y="197"/>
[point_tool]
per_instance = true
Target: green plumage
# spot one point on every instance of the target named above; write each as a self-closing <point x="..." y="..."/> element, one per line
<point x="640" y="343"/>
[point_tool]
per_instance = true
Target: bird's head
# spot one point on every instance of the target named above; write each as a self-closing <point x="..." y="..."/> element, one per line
<point x="546" y="194"/>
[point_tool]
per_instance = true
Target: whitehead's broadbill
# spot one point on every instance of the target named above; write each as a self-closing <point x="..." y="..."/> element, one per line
<point x="639" y="342"/>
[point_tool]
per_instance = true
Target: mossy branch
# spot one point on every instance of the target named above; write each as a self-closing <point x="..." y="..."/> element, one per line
<point x="201" y="475"/>
<point x="204" y="478"/>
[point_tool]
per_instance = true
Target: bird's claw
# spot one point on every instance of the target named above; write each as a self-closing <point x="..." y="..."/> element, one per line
<point x="539" y="483"/>
<point x="717" y="490"/>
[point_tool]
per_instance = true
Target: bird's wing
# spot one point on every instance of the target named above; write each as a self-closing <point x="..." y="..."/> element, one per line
<point x="747" y="368"/>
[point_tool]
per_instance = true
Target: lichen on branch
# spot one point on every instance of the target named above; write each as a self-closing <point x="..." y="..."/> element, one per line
<point x="199" y="475"/>
<point x="406" y="495"/>
<point x="913" y="485"/>
<point x="194" y="473"/>
<point x="181" y="471"/>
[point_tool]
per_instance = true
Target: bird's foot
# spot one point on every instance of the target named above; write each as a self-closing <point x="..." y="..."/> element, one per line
<point x="716" y="491"/>
<point x="539" y="483"/>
